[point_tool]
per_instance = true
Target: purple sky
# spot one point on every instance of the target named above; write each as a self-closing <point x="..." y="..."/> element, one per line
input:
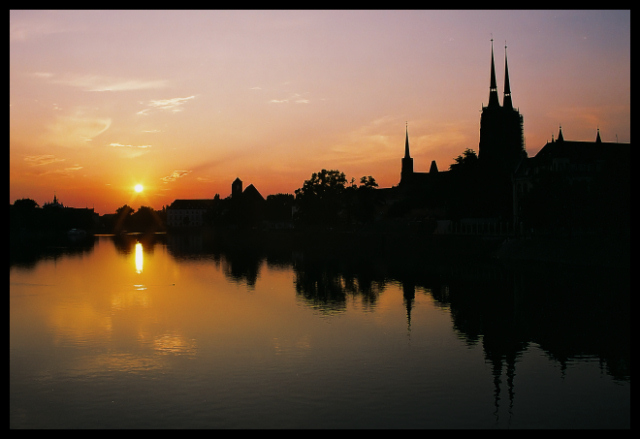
<point x="183" y="102"/>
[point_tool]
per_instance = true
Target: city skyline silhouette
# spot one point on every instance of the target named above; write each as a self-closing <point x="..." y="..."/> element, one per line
<point x="320" y="219"/>
<point x="186" y="115"/>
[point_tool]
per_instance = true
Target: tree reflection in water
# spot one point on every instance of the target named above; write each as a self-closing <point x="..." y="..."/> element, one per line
<point x="568" y="311"/>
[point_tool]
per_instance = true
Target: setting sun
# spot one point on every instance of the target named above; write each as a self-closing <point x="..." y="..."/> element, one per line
<point x="138" y="188"/>
<point x="148" y="110"/>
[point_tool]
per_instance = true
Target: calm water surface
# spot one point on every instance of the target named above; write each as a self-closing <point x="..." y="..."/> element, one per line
<point x="183" y="332"/>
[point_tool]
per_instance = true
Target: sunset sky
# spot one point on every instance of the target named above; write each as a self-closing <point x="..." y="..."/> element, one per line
<point x="183" y="102"/>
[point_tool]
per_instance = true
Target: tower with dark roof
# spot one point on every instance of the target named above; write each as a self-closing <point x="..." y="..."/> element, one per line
<point x="493" y="87"/>
<point x="501" y="127"/>
<point x="236" y="188"/>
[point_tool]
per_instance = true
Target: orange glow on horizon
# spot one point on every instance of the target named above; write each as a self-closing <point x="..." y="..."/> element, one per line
<point x="274" y="96"/>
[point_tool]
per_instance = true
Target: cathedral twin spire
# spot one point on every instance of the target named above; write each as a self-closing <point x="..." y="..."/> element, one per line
<point x="493" y="88"/>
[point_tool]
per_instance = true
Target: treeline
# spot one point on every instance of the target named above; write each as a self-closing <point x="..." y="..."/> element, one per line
<point x="26" y="216"/>
<point x="326" y="199"/>
<point x="126" y="219"/>
<point x="471" y="189"/>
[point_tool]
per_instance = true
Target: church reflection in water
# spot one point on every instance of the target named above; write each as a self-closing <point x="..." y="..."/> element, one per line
<point x="568" y="312"/>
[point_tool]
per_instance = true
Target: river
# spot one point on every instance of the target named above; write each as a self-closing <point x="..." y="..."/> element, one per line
<point x="192" y="331"/>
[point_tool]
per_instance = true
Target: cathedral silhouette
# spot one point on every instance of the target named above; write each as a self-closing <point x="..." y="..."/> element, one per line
<point x="500" y="180"/>
<point x="568" y="184"/>
<point x="501" y="145"/>
<point x="501" y="127"/>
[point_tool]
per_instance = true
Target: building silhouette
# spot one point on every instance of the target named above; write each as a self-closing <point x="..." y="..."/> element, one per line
<point x="241" y="207"/>
<point x="501" y="146"/>
<point x="575" y="186"/>
<point x="188" y="213"/>
<point x="568" y="183"/>
<point x="501" y="184"/>
<point x="53" y="217"/>
<point x="501" y="127"/>
<point x="480" y="188"/>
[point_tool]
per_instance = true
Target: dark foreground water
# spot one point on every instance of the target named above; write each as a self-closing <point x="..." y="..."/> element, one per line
<point x="188" y="332"/>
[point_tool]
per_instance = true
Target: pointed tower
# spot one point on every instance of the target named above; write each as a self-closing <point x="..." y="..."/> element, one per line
<point x="501" y="135"/>
<point x="407" y="161"/>
<point x="506" y="103"/>
<point x="598" y="140"/>
<point x="493" y="88"/>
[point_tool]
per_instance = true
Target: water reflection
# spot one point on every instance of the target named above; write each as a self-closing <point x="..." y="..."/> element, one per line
<point x="136" y="323"/>
<point x="570" y="312"/>
<point x="139" y="258"/>
<point x="25" y="252"/>
<point x="175" y="344"/>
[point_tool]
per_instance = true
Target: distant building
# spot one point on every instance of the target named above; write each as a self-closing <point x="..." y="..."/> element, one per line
<point x="250" y="194"/>
<point x="592" y="176"/>
<point x="55" y="204"/>
<point x="566" y="186"/>
<point x="236" y="188"/>
<point x="188" y="213"/>
<point x="58" y="216"/>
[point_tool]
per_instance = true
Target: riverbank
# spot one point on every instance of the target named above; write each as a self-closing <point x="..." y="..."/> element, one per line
<point x="612" y="250"/>
<point x="606" y="251"/>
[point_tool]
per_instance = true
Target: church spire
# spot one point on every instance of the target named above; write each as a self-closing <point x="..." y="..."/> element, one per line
<point x="598" y="140"/>
<point x="507" y="89"/>
<point x="406" y="142"/>
<point x="407" y="162"/>
<point x="493" y="88"/>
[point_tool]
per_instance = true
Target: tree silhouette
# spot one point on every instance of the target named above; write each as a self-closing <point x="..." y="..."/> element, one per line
<point x="319" y="199"/>
<point x="122" y="220"/>
<point x="368" y="182"/>
<point x="24" y="214"/>
<point x="145" y="219"/>
<point x="25" y="204"/>
<point x="465" y="160"/>
<point x="278" y="207"/>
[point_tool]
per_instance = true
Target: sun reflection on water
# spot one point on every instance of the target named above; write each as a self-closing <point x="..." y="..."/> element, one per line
<point x="139" y="260"/>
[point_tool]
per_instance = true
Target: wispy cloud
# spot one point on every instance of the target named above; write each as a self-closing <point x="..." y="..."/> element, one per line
<point x="174" y="104"/>
<point x="40" y="160"/>
<point x="131" y="151"/>
<point x="175" y="175"/>
<point x="296" y="98"/>
<point x="77" y="130"/>
<point x="120" y="145"/>
<point x="23" y="27"/>
<point x="100" y="83"/>
<point x="47" y="159"/>
<point x="68" y="171"/>
<point x="42" y="75"/>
